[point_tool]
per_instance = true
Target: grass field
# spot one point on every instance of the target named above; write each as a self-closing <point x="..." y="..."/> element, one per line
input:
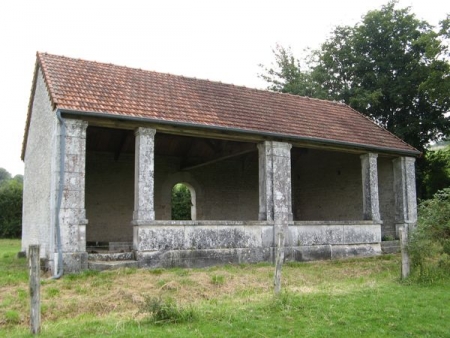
<point x="350" y="298"/>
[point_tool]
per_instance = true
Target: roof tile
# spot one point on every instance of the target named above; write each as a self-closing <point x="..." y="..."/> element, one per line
<point x="81" y="85"/>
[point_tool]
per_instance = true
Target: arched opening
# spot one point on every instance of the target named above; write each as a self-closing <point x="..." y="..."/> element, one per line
<point x="183" y="202"/>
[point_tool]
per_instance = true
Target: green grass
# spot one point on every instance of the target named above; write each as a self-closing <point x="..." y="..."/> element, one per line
<point x="349" y="298"/>
<point x="11" y="268"/>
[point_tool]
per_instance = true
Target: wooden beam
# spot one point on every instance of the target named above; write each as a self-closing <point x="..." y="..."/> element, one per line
<point x="218" y="159"/>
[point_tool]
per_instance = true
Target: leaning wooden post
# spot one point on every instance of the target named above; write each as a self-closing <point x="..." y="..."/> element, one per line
<point x="279" y="257"/>
<point x="35" y="289"/>
<point x="404" y="250"/>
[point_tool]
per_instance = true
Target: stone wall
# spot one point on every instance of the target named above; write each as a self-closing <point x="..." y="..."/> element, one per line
<point x="227" y="190"/>
<point x="40" y="164"/>
<point x="386" y="195"/>
<point x="204" y="243"/>
<point x="224" y="191"/>
<point x="327" y="186"/>
<point x="109" y="197"/>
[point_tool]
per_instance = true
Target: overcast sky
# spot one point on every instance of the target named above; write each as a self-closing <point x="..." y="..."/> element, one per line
<point x="217" y="40"/>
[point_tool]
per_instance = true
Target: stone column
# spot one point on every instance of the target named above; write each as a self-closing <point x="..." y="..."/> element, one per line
<point x="371" y="204"/>
<point x="144" y="210"/>
<point x="405" y="191"/>
<point x="72" y="214"/>
<point x="275" y="201"/>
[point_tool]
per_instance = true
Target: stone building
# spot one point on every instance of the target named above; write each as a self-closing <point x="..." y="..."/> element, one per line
<point x="104" y="145"/>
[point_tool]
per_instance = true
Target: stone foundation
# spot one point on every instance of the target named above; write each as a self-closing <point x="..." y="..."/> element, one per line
<point x="205" y="243"/>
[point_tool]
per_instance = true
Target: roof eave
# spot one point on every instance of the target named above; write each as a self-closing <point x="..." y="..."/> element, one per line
<point x="335" y="143"/>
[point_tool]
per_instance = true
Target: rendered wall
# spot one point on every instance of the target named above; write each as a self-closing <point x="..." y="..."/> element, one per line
<point x="327" y="186"/>
<point x="38" y="196"/>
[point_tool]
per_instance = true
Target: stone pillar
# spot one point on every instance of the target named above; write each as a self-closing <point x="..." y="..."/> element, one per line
<point x="72" y="214"/>
<point x="275" y="201"/>
<point x="405" y="191"/>
<point x="144" y="210"/>
<point x="371" y="204"/>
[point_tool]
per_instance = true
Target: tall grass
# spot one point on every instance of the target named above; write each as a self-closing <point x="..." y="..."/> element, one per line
<point x="350" y="298"/>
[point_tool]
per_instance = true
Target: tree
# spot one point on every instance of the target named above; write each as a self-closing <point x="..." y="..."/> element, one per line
<point x="391" y="67"/>
<point x="287" y="76"/>
<point x="11" y="209"/>
<point x="436" y="171"/>
<point x="181" y="202"/>
<point x="4" y="175"/>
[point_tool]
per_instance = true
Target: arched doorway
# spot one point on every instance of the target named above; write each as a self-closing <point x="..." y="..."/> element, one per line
<point x="183" y="206"/>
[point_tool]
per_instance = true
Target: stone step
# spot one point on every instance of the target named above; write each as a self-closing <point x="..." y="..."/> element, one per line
<point x="111" y="256"/>
<point x="111" y="265"/>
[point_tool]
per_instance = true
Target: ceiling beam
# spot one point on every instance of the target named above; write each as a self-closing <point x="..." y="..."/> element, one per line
<point x="220" y="158"/>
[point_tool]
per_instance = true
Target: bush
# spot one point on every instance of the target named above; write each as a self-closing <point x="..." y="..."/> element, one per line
<point x="11" y="209"/>
<point x="429" y="245"/>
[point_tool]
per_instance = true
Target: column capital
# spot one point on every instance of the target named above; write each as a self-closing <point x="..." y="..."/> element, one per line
<point x="369" y="156"/>
<point x="145" y="131"/>
<point x="75" y="128"/>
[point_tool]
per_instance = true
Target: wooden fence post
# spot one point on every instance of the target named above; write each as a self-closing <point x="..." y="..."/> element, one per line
<point x="404" y="250"/>
<point x="279" y="257"/>
<point x="35" y="288"/>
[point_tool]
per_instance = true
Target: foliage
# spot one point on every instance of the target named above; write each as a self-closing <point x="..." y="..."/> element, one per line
<point x="11" y="208"/>
<point x="181" y="202"/>
<point x="436" y="172"/>
<point x="392" y="67"/>
<point x="287" y="76"/>
<point x="429" y="245"/>
<point x="4" y="175"/>
<point x="165" y="311"/>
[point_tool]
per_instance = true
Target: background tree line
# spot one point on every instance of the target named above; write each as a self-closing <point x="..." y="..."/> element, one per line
<point x="391" y="66"/>
<point x="10" y="205"/>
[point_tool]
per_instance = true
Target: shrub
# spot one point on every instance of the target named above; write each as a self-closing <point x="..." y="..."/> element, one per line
<point x="164" y="311"/>
<point x="429" y="245"/>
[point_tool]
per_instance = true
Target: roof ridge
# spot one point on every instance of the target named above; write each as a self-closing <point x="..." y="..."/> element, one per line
<point x="197" y="79"/>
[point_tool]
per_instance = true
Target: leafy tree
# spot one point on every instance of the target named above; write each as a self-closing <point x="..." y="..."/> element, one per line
<point x="18" y="178"/>
<point x="287" y="75"/>
<point x="181" y="202"/>
<point x="436" y="171"/>
<point x="391" y="67"/>
<point x="11" y="209"/>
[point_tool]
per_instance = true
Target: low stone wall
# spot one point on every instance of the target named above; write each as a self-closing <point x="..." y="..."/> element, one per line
<point x="204" y="243"/>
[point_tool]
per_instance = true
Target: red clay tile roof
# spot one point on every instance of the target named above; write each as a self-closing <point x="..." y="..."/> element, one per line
<point x="87" y="86"/>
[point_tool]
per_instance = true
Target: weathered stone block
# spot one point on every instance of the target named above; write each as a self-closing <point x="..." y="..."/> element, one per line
<point x="75" y="262"/>
<point x="358" y="250"/>
<point x="362" y="234"/>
